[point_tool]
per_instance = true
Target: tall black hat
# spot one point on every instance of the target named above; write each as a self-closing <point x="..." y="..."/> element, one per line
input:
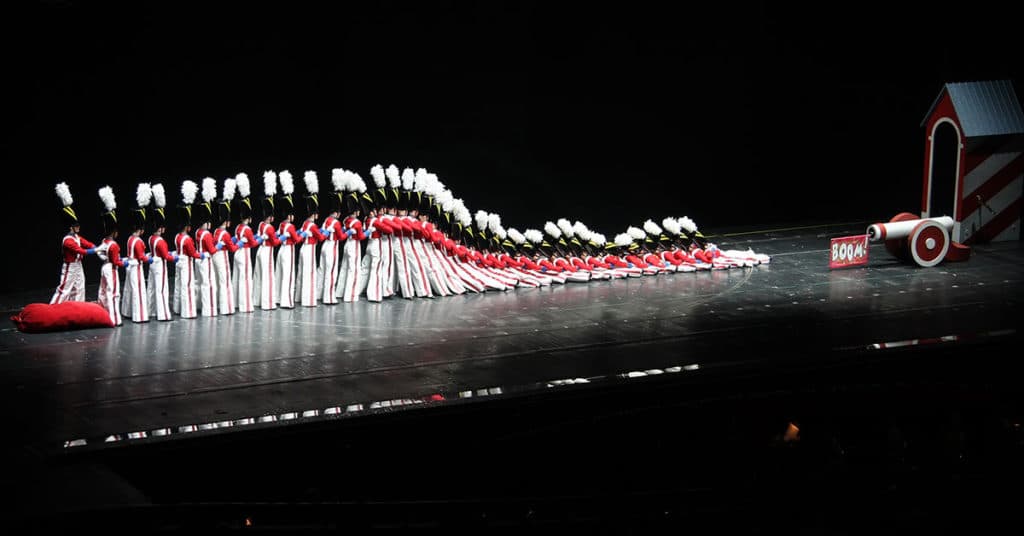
<point x="109" y="216"/>
<point x="188" y="197"/>
<point x="158" y="218"/>
<point x="269" y="191"/>
<point x="242" y="207"/>
<point x="67" y="212"/>
<point x="350" y="203"/>
<point x="285" y="204"/>
<point x="203" y="211"/>
<point x="312" y="193"/>
<point x="366" y="203"/>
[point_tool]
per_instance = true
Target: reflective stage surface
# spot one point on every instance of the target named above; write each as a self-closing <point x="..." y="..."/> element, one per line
<point x="252" y="377"/>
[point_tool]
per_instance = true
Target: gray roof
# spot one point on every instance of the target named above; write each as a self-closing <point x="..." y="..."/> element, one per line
<point x="984" y="108"/>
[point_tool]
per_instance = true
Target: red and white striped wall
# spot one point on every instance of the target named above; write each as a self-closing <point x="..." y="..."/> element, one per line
<point x="989" y="181"/>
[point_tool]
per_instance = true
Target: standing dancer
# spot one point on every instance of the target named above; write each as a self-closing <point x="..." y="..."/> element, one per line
<point x="351" y="263"/>
<point x="188" y="257"/>
<point x="264" y="279"/>
<point x="110" y="253"/>
<point x="242" y="275"/>
<point x="135" y="301"/>
<point x="329" y="252"/>
<point x="310" y="235"/>
<point x="226" y="245"/>
<point x="159" y="290"/>
<point x="205" y="277"/>
<point x="285" y="275"/>
<point x="73" y="247"/>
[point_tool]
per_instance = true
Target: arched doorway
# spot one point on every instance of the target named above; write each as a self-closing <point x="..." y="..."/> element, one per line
<point x="944" y="169"/>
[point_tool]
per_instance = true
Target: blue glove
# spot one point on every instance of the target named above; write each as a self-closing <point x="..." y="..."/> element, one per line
<point x="303" y="234"/>
<point x="220" y="246"/>
<point x="203" y="256"/>
<point x="350" y="232"/>
<point x="544" y="268"/>
<point x="175" y="257"/>
<point x="234" y="240"/>
<point x="280" y="236"/>
<point x="259" y="240"/>
<point x="631" y="265"/>
<point x="325" y="236"/>
<point x="90" y="251"/>
<point x="149" y="259"/>
<point x="328" y="230"/>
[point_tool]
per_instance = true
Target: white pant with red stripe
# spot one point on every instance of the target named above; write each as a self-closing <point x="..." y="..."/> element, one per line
<point x="387" y="266"/>
<point x="349" y="273"/>
<point x="159" y="290"/>
<point x="434" y="277"/>
<point x="330" y="258"/>
<point x="72" y="283"/>
<point x="452" y="281"/>
<point x="135" y="299"/>
<point x="110" y="292"/>
<point x="285" y="276"/>
<point x="468" y="280"/>
<point x="477" y="273"/>
<point x="241" y="281"/>
<point x="184" y="302"/>
<point x="222" y="273"/>
<point x="373" y="262"/>
<point x="264" y="289"/>
<point x="206" y="287"/>
<point x="307" y="275"/>
<point x="400" y="268"/>
<point x="417" y="273"/>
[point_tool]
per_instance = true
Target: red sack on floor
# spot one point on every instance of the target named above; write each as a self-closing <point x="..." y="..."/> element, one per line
<point x="42" y="317"/>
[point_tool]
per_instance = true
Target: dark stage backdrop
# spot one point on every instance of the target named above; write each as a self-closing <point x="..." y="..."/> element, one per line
<point x="739" y="115"/>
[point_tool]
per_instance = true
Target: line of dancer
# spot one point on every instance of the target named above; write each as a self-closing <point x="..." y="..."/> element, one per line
<point x="404" y="235"/>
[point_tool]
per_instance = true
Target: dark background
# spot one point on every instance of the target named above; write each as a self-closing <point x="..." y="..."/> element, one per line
<point x="738" y="115"/>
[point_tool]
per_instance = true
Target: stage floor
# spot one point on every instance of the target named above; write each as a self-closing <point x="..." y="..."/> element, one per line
<point x="187" y="378"/>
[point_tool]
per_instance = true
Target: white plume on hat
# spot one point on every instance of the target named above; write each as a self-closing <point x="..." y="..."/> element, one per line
<point x="229" y="190"/>
<point x="312" y="185"/>
<point x="598" y="239"/>
<point x="287" y="184"/>
<point x="419" y="181"/>
<point x="636" y="233"/>
<point x="394" y="179"/>
<point x="107" y="196"/>
<point x="269" y="183"/>
<point x="242" y="180"/>
<point x="209" y="189"/>
<point x="143" y="194"/>
<point x="499" y="232"/>
<point x="338" y="178"/>
<point x="188" y="192"/>
<point x="481" y="220"/>
<point x="461" y="213"/>
<point x="432" y="185"/>
<point x="377" y="172"/>
<point x="516" y="236"/>
<point x="565" y="226"/>
<point x="159" y="196"/>
<point x="623" y="239"/>
<point x="671" y="225"/>
<point x="581" y="230"/>
<point x="652" y="228"/>
<point x="493" y="221"/>
<point x="533" y="235"/>
<point x="64" y="193"/>
<point x="358" y="184"/>
<point x="552" y="229"/>
<point x="408" y="176"/>
<point x="687" y="223"/>
<point x="445" y="199"/>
